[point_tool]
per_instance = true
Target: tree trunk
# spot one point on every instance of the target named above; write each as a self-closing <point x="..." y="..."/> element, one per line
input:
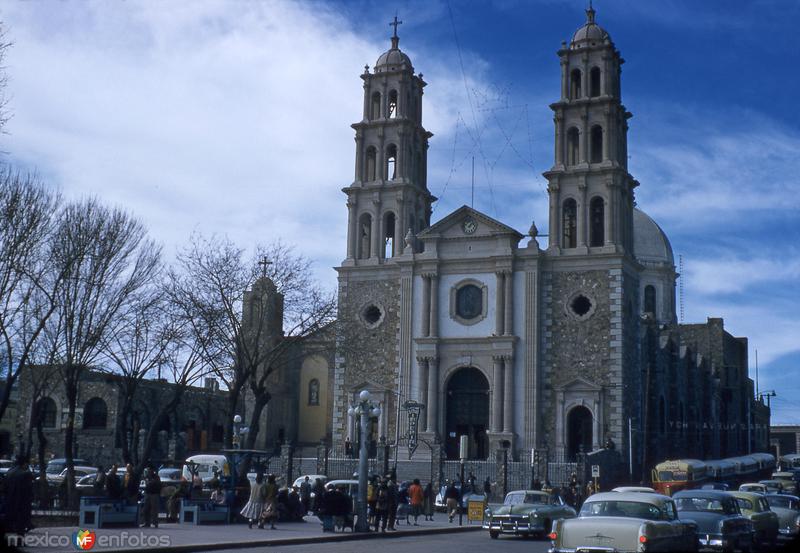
<point x="44" y="489"/>
<point x="123" y="418"/>
<point x="69" y="436"/>
<point x="5" y="397"/>
<point x="150" y="439"/>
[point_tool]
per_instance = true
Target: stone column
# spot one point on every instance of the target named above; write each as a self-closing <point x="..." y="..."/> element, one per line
<point x="558" y="119"/>
<point x="351" y="426"/>
<point x="434" y="303"/>
<point x="433" y="394"/>
<point x="422" y="363"/>
<point x="610" y="214"/>
<point x="500" y="303"/>
<point x="508" y="310"/>
<point x="582" y="215"/>
<point x="374" y="234"/>
<point x="555" y="236"/>
<point x="287" y="462"/>
<point x="497" y="394"/>
<point x="584" y="138"/>
<point x="359" y="158"/>
<point x="352" y="233"/>
<point x="426" y="306"/>
<point x="322" y="457"/>
<point x="508" y="394"/>
<point x="564" y="74"/>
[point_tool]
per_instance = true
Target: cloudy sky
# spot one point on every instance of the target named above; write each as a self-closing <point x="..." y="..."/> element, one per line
<point x="234" y="118"/>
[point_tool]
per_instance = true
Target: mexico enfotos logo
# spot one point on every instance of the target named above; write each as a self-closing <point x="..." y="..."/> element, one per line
<point x="86" y="540"/>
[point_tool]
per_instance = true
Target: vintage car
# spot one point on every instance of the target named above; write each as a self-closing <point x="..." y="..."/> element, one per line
<point x="787" y="507"/>
<point x="525" y="513"/>
<point x="774" y="486"/>
<point x="625" y="521"/>
<point x="720" y="523"/>
<point x="765" y="523"/>
<point x="637" y="489"/>
<point x="753" y="487"/>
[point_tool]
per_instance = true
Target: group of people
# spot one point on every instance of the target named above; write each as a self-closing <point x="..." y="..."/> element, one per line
<point x="262" y="507"/>
<point x="573" y="493"/>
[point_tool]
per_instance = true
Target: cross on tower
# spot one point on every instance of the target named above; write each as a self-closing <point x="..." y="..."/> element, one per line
<point x="264" y="262"/>
<point x="394" y="24"/>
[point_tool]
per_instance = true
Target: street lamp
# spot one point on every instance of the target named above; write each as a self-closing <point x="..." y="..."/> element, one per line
<point x="238" y="431"/>
<point x="364" y="409"/>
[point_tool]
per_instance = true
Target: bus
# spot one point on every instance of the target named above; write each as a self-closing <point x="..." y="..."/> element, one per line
<point x="675" y="475"/>
<point x="790" y="462"/>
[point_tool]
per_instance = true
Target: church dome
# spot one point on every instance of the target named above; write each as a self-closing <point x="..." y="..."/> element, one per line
<point x="590" y="31"/>
<point x="650" y="244"/>
<point x="393" y="59"/>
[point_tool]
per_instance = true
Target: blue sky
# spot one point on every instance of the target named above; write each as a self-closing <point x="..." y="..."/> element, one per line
<point x="233" y="118"/>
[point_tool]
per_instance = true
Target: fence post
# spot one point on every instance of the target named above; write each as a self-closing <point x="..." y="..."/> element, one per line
<point x="501" y="471"/>
<point x="322" y="458"/>
<point x="382" y="457"/>
<point x="287" y="462"/>
<point x="436" y="463"/>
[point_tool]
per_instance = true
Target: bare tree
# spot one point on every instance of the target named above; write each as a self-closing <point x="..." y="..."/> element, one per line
<point x="183" y="361"/>
<point x="253" y="308"/>
<point x="29" y="280"/>
<point x="107" y="259"/>
<point x="134" y="348"/>
<point x="4" y="46"/>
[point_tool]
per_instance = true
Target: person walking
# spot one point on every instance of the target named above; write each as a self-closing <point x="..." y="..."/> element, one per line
<point x="100" y="481"/>
<point x="319" y="491"/>
<point x="416" y="497"/>
<point x="381" y="506"/>
<point x="19" y="497"/>
<point x="130" y="486"/>
<point x="428" y="503"/>
<point x="487" y="488"/>
<point x="270" y="512"/>
<point x="113" y="485"/>
<point x="451" y="500"/>
<point x="152" y="493"/>
<point x="254" y="506"/>
<point x="393" y="498"/>
<point x="305" y="494"/>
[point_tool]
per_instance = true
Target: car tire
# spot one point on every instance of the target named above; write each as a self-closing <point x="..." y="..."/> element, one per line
<point x="494" y="534"/>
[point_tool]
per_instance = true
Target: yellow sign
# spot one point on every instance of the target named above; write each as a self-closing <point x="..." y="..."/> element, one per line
<point x="475" y="508"/>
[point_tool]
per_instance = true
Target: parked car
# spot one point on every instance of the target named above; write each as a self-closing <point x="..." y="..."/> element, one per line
<point x="765" y="523"/>
<point x="5" y="465"/>
<point x="440" y="504"/>
<point x="80" y="472"/>
<point x="720" y="486"/>
<point x="753" y="487"/>
<point x="204" y="466"/>
<point x="56" y="466"/>
<point x="787" y="507"/>
<point x="312" y="478"/>
<point x="525" y="513"/>
<point x="720" y="522"/>
<point x="790" y="479"/>
<point x="625" y="521"/>
<point x="637" y="489"/>
<point x="170" y="476"/>
<point x="774" y="486"/>
<point x="86" y="483"/>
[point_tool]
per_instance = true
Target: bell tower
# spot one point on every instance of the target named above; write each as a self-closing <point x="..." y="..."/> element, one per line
<point x="591" y="191"/>
<point x="388" y="198"/>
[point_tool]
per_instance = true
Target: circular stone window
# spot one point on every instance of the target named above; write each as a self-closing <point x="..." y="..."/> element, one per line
<point x="580" y="306"/>
<point x="372" y="315"/>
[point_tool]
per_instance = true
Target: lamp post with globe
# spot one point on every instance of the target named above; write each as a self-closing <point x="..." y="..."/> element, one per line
<point x="239" y="431"/>
<point x="364" y="409"/>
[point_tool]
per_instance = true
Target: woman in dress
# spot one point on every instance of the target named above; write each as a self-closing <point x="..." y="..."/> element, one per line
<point x="270" y="512"/>
<point x="255" y="505"/>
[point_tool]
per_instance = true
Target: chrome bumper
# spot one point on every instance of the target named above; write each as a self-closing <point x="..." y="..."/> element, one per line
<point x="712" y="541"/>
<point x="513" y="526"/>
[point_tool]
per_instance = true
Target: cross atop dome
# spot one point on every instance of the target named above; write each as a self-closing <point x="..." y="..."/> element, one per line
<point x="590" y="13"/>
<point x="395" y="38"/>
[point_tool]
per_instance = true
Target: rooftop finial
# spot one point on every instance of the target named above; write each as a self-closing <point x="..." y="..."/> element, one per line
<point x="590" y="13"/>
<point x="395" y="23"/>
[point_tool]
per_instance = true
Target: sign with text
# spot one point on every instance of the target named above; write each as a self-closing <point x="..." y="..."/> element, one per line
<point x="595" y="471"/>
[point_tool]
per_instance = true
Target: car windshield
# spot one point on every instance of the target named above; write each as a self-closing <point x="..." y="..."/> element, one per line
<point x="782" y="502"/>
<point x="170" y="474"/>
<point x="54" y="468"/>
<point x="745" y="504"/>
<point x="710" y="505"/>
<point x="629" y="509"/>
<point x="519" y="498"/>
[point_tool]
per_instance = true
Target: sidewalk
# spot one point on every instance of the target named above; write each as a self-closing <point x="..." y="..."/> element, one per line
<point x="177" y="538"/>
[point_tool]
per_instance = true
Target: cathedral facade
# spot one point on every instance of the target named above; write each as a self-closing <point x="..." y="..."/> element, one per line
<point x="516" y="343"/>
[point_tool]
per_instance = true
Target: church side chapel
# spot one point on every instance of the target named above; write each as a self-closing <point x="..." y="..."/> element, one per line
<point x="514" y="343"/>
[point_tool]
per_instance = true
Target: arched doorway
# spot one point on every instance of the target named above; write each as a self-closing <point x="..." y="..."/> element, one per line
<point x="467" y="412"/>
<point x="579" y="431"/>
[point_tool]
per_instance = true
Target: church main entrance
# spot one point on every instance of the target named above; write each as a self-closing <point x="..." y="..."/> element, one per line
<point x="579" y="431"/>
<point x="467" y="412"/>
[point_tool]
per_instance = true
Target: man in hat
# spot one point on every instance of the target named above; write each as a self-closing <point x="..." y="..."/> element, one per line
<point x="19" y="496"/>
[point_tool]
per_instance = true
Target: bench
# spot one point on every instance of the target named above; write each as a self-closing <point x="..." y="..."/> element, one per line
<point x="200" y="512"/>
<point x="96" y="512"/>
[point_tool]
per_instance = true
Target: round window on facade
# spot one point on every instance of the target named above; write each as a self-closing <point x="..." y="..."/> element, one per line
<point x="580" y="306"/>
<point x="372" y="315"/>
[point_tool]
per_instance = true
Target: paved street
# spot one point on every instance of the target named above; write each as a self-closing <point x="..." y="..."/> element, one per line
<point x="468" y="542"/>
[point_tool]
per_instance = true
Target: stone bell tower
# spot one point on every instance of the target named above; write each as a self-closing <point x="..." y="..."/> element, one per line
<point x="592" y="286"/>
<point x="389" y="194"/>
<point x="591" y="192"/>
